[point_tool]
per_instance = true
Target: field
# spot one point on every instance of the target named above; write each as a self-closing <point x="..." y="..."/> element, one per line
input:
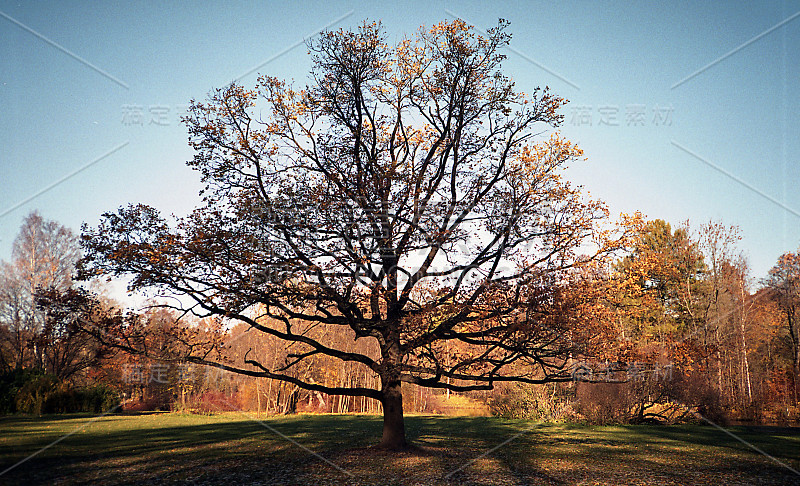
<point x="238" y="449"/>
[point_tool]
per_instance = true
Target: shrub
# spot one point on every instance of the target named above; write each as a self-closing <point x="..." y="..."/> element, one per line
<point x="10" y="384"/>
<point x="43" y="394"/>
<point x="100" y="398"/>
<point x="670" y="398"/>
<point x="606" y="403"/>
<point x="551" y="402"/>
<point x="38" y="394"/>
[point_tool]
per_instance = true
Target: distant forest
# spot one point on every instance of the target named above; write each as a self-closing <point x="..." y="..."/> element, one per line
<point x="681" y="330"/>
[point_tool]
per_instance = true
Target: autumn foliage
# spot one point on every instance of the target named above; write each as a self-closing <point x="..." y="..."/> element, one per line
<point x="402" y="197"/>
<point x="396" y="235"/>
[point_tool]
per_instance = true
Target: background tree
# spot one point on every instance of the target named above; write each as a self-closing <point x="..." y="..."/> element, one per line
<point x="662" y="305"/>
<point x="784" y="281"/>
<point x="400" y="195"/>
<point x="67" y="348"/>
<point x="662" y="282"/>
<point x="44" y="255"/>
<point x="725" y="301"/>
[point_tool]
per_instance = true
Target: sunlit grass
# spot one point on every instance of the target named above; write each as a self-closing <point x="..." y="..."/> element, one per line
<point x="242" y="448"/>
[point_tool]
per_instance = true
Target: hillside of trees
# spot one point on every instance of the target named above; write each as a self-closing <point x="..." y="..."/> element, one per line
<point x="686" y="332"/>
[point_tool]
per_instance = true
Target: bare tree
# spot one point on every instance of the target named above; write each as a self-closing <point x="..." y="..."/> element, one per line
<point x="44" y="255"/>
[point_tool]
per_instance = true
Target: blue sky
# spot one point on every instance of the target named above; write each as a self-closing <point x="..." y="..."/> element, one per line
<point x="95" y="90"/>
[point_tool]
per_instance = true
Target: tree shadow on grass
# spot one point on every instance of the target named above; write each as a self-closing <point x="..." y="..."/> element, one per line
<point x="644" y="455"/>
<point x="164" y="451"/>
<point x="782" y="443"/>
<point x="174" y="448"/>
<point x="236" y="449"/>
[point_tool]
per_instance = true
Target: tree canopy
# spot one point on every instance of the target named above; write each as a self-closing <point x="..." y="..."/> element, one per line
<point x="409" y="194"/>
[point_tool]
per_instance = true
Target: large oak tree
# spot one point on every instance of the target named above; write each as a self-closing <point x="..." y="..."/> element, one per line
<point x="409" y="194"/>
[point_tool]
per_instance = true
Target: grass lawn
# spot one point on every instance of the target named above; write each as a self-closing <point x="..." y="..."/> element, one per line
<point x="236" y="449"/>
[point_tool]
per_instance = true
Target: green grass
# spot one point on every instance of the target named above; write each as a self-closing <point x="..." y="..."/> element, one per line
<point x="236" y="449"/>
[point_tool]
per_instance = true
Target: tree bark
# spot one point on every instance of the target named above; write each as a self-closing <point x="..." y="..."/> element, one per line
<point x="746" y="362"/>
<point x="394" y="429"/>
<point x="794" y="334"/>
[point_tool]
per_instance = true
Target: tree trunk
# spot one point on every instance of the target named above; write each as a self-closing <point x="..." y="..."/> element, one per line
<point x="394" y="429"/>
<point x="258" y="398"/>
<point x="719" y="361"/>
<point x="796" y="349"/>
<point x="796" y="379"/>
<point x="746" y="362"/>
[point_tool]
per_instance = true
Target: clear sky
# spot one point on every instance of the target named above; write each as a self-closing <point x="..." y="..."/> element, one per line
<point x="686" y="110"/>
